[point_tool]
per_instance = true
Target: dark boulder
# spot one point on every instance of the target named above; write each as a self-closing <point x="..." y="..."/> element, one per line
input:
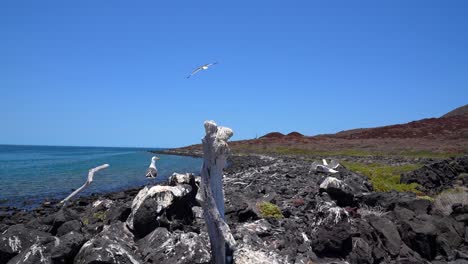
<point x="36" y="253"/>
<point x="459" y="209"/>
<point x="361" y="252"/>
<point x="409" y="256"/>
<point x="239" y="209"/>
<point x="161" y="246"/>
<point x="419" y="234"/>
<point x="332" y="240"/>
<point x="449" y="235"/>
<point x="113" y="245"/>
<point x="437" y="176"/>
<point x="62" y="216"/>
<point x="73" y="225"/>
<point x="67" y="247"/>
<point x="159" y="206"/>
<point x="104" y="251"/>
<point x="118" y="211"/>
<point x="51" y="250"/>
<point x="388" y="233"/>
<point x="339" y="191"/>
<point x="357" y="182"/>
<point x="388" y="200"/>
<point x="18" y="238"/>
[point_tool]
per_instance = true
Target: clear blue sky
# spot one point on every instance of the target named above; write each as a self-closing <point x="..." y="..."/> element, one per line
<point x="112" y="73"/>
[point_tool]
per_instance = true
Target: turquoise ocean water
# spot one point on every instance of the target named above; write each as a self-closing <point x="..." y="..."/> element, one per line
<point x="30" y="174"/>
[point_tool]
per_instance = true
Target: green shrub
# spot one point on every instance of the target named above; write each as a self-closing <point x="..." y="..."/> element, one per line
<point x="269" y="210"/>
<point x="101" y="215"/>
<point x="425" y="197"/>
<point x="385" y="178"/>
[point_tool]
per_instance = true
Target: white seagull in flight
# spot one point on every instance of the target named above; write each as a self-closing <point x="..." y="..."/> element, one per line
<point x="201" y="68"/>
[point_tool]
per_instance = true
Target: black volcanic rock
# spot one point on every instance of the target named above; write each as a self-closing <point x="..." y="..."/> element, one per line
<point x="388" y="233"/>
<point x="18" y="238"/>
<point x="68" y="246"/>
<point x="113" y="245"/>
<point x="332" y="241"/>
<point x="161" y="206"/>
<point x="106" y="251"/>
<point x="355" y="226"/>
<point x="437" y="176"/>
<point x="162" y="246"/>
<point x="361" y="252"/>
<point x="73" y="225"/>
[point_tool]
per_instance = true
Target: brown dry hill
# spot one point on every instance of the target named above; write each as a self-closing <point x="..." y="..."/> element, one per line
<point x="460" y="111"/>
<point x="445" y="135"/>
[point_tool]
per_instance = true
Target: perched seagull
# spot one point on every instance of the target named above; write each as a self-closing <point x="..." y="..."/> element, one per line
<point x="152" y="171"/>
<point x="201" y="68"/>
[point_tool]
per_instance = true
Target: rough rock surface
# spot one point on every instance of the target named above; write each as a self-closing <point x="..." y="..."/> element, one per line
<point x="156" y="206"/>
<point x="438" y="176"/>
<point x="326" y="218"/>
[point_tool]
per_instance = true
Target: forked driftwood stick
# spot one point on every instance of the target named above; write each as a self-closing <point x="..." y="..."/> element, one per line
<point x="215" y="152"/>
<point x="88" y="182"/>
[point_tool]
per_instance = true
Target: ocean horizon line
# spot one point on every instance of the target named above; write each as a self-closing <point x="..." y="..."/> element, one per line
<point x="78" y="146"/>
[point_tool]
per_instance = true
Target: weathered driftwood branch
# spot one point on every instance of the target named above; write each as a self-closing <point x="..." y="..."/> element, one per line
<point x="215" y="152"/>
<point x="88" y="182"/>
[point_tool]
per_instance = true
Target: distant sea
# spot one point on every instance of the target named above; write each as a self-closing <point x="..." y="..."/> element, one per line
<point x="31" y="174"/>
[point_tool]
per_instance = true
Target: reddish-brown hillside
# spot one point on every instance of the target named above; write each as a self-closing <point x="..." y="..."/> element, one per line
<point x="447" y="134"/>
<point x="463" y="110"/>
<point x="273" y="135"/>
<point x="446" y="127"/>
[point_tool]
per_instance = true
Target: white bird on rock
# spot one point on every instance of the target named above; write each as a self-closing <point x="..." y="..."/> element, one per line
<point x="152" y="171"/>
<point x="201" y="68"/>
<point x="325" y="167"/>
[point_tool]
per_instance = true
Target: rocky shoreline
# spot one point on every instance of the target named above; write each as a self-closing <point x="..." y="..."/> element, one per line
<point x="279" y="211"/>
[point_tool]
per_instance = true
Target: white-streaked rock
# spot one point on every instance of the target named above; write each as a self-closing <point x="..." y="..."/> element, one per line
<point x="180" y="178"/>
<point x="163" y="196"/>
<point x="332" y="182"/>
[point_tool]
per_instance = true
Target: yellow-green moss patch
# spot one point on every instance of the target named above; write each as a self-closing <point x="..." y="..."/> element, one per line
<point x="269" y="210"/>
<point x="385" y="178"/>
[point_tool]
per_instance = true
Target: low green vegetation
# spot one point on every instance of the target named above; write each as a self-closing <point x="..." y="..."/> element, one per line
<point x="384" y="177"/>
<point x="426" y="197"/>
<point x="298" y="151"/>
<point x="101" y="215"/>
<point x="269" y="210"/>
<point x="285" y="150"/>
<point x="428" y="154"/>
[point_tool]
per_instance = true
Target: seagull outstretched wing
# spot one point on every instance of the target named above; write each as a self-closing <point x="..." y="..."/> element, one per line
<point x="195" y="71"/>
<point x="201" y="68"/>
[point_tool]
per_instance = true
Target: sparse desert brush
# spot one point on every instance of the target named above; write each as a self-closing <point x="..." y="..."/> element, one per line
<point x="269" y="210"/>
<point x="426" y="197"/>
<point x="365" y="210"/>
<point x="444" y="201"/>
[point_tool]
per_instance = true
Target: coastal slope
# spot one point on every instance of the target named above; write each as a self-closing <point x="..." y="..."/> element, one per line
<point x="446" y="135"/>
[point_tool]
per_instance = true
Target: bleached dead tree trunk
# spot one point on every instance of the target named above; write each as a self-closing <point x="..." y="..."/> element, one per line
<point x="88" y="182"/>
<point x="215" y="152"/>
